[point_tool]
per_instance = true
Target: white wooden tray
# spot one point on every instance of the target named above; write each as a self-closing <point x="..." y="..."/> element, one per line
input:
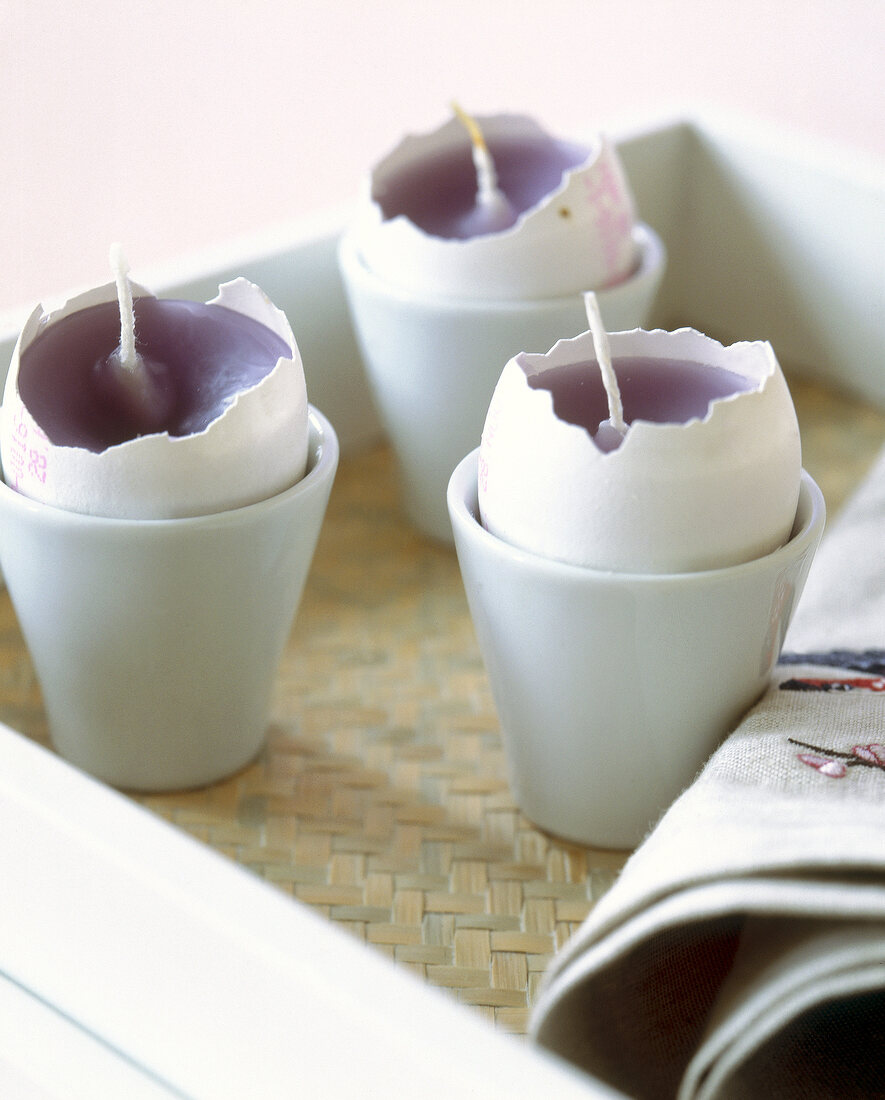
<point x="152" y="967"/>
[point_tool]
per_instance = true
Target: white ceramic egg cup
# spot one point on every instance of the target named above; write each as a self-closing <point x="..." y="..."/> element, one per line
<point x="156" y="642"/>
<point x="612" y="689"/>
<point x="433" y="362"/>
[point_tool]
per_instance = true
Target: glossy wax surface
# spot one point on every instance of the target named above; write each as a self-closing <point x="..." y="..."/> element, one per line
<point x="438" y="192"/>
<point x="200" y="356"/>
<point x="663" y="391"/>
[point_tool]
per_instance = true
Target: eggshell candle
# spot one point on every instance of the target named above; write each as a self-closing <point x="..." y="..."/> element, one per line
<point x="707" y="474"/>
<point x="566" y="223"/>
<point x="227" y="384"/>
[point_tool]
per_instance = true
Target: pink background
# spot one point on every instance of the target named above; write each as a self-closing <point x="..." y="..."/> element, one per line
<point x="173" y="126"/>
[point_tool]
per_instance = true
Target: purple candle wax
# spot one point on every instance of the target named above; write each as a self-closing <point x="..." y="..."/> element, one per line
<point x="199" y="357"/>
<point x="438" y="192"/>
<point x="662" y="391"/>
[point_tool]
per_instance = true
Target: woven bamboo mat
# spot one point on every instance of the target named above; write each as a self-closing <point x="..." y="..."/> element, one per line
<point x="381" y="798"/>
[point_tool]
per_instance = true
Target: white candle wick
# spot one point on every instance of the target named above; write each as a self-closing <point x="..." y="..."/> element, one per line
<point x="601" y="346"/>
<point x="127" y="355"/>
<point x="488" y="193"/>
<point x="138" y="387"/>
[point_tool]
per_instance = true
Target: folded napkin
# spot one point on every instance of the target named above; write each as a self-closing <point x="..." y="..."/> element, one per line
<point x="741" y="952"/>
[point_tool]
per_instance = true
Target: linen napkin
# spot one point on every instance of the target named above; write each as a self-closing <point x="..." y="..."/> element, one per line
<point x="741" y="952"/>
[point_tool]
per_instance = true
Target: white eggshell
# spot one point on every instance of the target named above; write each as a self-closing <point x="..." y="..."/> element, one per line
<point x="671" y="498"/>
<point x="578" y="237"/>
<point x="254" y="449"/>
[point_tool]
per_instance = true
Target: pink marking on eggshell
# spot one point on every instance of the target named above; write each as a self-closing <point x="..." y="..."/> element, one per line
<point x="483" y="474"/>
